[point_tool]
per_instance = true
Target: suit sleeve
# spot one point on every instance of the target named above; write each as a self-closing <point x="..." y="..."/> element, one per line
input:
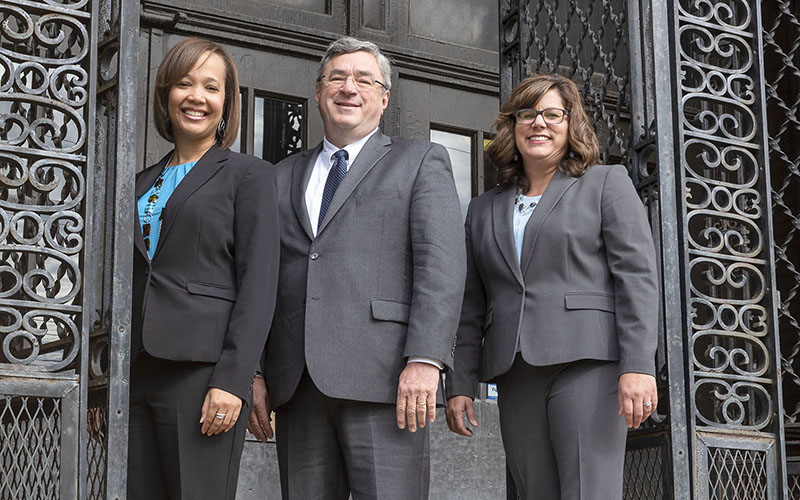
<point x="439" y="267"/>
<point x="469" y="339"/>
<point x="256" y="248"/>
<point x="631" y="259"/>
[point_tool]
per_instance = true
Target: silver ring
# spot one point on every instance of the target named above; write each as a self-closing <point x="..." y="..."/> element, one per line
<point x="220" y="415"/>
<point x="646" y="405"/>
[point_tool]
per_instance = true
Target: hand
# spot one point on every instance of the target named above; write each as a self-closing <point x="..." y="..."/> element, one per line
<point x="634" y="390"/>
<point x="260" y="418"/>
<point x="416" y="395"/>
<point x="220" y="402"/>
<point x="456" y="407"/>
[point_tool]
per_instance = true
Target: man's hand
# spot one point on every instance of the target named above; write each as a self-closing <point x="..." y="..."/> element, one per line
<point x="416" y="395"/>
<point x="456" y="407"/>
<point x="635" y="391"/>
<point x="220" y="411"/>
<point x="260" y="425"/>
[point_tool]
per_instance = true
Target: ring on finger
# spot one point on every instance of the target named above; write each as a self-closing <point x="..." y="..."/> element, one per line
<point x="220" y="415"/>
<point x="648" y="404"/>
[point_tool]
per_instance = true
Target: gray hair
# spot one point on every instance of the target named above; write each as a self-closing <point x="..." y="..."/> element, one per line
<point x="347" y="45"/>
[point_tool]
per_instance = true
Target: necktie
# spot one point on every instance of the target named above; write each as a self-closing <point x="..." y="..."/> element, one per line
<point x="335" y="176"/>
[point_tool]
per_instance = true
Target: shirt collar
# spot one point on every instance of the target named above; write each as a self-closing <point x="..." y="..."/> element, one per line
<point x="352" y="149"/>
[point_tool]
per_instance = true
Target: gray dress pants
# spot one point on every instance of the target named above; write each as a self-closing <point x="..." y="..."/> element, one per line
<point x="561" y="432"/>
<point x="331" y="448"/>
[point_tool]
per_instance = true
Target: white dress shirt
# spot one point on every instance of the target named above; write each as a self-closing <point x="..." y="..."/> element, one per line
<point x="319" y="175"/>
<point x="316" y="186"/>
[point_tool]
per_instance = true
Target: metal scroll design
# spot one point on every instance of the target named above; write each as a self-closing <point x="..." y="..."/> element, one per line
<point x="728" y="256"/>
<point x="44" y="96"/>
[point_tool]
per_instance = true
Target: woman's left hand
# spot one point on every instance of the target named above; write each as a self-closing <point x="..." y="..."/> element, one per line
<point x="219" y="403"/>
<point x="635" y="391"/>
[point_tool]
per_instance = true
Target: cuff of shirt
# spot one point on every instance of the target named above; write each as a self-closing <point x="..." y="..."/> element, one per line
<point x="422" y="359"/>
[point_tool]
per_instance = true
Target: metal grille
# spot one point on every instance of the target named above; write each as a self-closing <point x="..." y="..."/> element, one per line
<point x="794" y="486"/>
<point x="44" y="96"/>
<point x="643" y="477"/>
<point x="782" y="60"/>
<point x="736" y="474"/>
<point x="728" y="267"/>
<point x="30" y="430"/>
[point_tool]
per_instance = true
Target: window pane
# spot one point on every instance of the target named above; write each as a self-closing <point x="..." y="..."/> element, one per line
<point x="459" y="146"/>
<point x="277" y="128"/>
<point x="237" y="146"/>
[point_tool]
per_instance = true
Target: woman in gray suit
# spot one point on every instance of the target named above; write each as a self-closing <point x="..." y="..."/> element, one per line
<point x="204" y="281"/>
<point x="561" y="301"/>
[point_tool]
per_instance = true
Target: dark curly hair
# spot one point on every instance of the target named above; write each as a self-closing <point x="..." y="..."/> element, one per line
<point x="582" y="151"/>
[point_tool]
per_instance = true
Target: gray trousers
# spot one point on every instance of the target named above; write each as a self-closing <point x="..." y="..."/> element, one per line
<point x="561" y="432"/>
<point x="330" y="448"/>
<point x="168" y="457"/>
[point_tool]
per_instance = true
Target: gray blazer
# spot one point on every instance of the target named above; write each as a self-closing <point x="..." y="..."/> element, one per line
<point x="383" y="279"/>
<point x="586" y="287"/>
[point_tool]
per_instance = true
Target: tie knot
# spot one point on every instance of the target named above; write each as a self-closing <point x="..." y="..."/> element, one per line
<point x="340" y="155"/>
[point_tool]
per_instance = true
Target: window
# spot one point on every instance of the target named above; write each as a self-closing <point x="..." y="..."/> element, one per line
<point x="273" y="127"/>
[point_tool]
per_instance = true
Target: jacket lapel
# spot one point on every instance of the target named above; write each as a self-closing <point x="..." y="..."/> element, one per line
<point x="375" y="148"/>
<point x="301" y="173"/>
<point x="143" y="184"/>
<point x="204" y="169"/>
<point x="502" y="217"/>
<point x="552" y="195"/>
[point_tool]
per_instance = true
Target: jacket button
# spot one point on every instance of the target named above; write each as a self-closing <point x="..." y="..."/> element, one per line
<point x="314" y="256"/>
<point x="519" y="290"/>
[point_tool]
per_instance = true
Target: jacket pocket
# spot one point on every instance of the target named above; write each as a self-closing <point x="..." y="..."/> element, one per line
<point x="211" y="290"/>
<point x="596" y="300"/>
<point x="389" y="310"/>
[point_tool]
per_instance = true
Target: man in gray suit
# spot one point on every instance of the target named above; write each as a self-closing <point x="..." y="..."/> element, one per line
<point x="371" y="281"/>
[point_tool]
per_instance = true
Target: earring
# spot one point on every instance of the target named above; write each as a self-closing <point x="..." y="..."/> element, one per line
<point x="516" y="157"/>
<point x="221" y="127"/>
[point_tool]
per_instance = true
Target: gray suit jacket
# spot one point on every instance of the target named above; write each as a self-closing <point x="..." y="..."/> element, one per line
<point x="382" y="280"/>
<point x="586" y="287"/>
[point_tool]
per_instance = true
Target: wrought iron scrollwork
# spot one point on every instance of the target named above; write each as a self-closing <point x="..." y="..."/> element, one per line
<point x="44" y="79"/>
<point x="728" y="268"/>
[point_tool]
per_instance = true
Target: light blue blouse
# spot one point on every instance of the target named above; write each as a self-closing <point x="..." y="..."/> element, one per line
<point x="520" y="220"/>
<point x="172" y="176"/>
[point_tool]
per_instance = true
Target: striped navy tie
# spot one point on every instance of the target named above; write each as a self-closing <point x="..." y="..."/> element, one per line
<point x="335" y="177"/>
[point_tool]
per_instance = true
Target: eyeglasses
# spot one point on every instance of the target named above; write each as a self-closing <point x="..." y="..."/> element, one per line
<point x="363" y="82"/>
<point x="551" y="116"/>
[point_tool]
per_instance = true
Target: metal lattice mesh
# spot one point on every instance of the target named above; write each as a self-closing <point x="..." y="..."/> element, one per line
<point x="587" y="41"/>
<point x="736" y="474"/>
<point x="794" y="486"/>
<point x="782" y="57"/>
<point x="96" y="452"/>
<point x="30" y="428"/>
<point x="643" y="478"/>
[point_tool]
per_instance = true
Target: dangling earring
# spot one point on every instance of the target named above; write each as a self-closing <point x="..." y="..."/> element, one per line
<point x="571" y="154"/>
<point x="221" y="127"/>
<point x="516" y="156"/>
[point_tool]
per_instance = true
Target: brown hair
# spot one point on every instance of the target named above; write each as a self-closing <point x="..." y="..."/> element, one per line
<point x="176" y="64"/>
<point x="582" y="147"/>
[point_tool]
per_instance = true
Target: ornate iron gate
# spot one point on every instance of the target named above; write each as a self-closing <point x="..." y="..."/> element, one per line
<point x="67" y="157"/>
<point x="677" y="92"/>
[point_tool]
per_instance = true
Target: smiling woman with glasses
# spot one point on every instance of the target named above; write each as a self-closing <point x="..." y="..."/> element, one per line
<point x="561" y="301"/>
